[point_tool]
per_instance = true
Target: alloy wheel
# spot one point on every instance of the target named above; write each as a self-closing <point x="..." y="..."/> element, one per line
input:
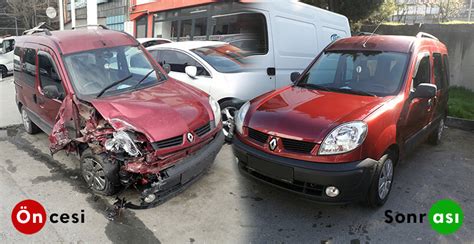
<point x="228" y="114"/>
<point x="385" y="179"/>
<point x="25" y="119"/>
<point x="94" y="174"/>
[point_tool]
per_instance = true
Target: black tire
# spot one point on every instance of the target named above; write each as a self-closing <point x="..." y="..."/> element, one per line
<point x="3" y="71"/>
<point x="376" y="198"/>
<point x="100" y="175"/>
<point x="436" y="136"/>
<point x="30" y="127"/>
<point x="233" y="107"/>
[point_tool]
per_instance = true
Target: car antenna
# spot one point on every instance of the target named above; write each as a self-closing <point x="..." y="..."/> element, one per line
<point x="371" y="34"/>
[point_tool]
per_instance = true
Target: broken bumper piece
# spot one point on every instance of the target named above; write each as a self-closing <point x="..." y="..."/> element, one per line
<point x="183" y="173"/>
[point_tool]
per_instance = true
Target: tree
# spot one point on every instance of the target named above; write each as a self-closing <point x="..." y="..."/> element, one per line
<point x="355" y="10"/>
<point x="449" y="9"/>
<point x="27" y="10"/>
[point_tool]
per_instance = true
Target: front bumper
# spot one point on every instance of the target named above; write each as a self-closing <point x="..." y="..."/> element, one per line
<point x="307" y="178"/>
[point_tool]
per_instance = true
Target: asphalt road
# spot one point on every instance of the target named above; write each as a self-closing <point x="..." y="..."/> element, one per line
<point x="224" y="206"/>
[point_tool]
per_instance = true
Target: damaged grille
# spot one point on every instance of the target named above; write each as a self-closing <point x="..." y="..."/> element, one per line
<point x="257" y="135"/>
<point x="203" y="130"/>
<point x="175" y="141"/>
<point x="297" y="146"/>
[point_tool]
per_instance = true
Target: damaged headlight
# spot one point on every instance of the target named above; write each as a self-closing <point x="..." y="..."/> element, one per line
<point x="122" y="141"/>
<point x="216" y="109"/>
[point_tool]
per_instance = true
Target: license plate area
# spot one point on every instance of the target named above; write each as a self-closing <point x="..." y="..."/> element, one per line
<point x="273" y="170"/>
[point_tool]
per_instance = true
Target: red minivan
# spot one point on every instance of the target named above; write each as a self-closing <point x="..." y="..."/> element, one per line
<point x="337" y="133"/>
<point x="99" y="94"/>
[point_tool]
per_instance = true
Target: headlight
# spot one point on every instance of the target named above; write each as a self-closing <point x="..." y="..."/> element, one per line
<point x="216" y="109"/>
<point x="240" y="117"/>
<point x="122" y="141"/>
<point x="344" y="138"/>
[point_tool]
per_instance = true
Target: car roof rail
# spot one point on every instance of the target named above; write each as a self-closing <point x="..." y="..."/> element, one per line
<point x="41" y="28"/>
<point x="365" y="33"/>
<point x="85" y="26"/>
<point x="426" y="35"/>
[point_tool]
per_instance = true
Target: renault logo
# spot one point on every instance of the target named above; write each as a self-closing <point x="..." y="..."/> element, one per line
<point x="273" y="144"/>
<point x="190" y="137"/>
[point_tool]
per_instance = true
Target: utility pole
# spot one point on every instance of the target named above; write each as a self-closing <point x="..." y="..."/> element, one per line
<point x="91" y="12"/>
<point x="61" y="15"/>
<point x="73" y="13"/>
<point x="470" y="12"/>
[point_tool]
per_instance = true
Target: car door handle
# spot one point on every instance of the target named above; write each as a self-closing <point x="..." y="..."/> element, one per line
<point x="271" y="71"/>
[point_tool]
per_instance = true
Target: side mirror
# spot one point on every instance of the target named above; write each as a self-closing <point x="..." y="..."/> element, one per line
<point x="191" y="71"/>
<point x="51" y="92"/>
<point x="425" y="90"/>
<point x="294" y="76"/>
<point x="167" y="68"/>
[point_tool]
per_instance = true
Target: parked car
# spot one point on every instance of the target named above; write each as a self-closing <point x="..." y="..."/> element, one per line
<point x="148" y="42"/>
<point x="7" y="45"/>
<point x="337" y="134"/>
<point x="99" y="94"/>
<point x="216" y="68"/>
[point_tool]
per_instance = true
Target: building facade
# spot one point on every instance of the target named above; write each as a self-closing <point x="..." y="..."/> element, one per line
<point x="111" y="13"/>
<point x="181" y="20"/>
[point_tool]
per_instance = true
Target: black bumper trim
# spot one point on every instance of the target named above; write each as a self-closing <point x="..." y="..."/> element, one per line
<point x="310" y="179"/>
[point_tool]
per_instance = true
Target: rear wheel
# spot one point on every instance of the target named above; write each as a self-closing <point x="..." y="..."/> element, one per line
<point x="436" y="135"/>
<point x="382" y="182"/>
<point x="101" y="176"/>
<point x="229" y="109"/>
<point x="30" y="127"/>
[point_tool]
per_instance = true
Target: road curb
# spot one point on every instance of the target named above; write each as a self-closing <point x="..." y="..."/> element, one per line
<point x="463" y="124"/>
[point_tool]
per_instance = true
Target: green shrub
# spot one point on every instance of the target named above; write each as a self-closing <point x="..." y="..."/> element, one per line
<point x="461" y="103"/>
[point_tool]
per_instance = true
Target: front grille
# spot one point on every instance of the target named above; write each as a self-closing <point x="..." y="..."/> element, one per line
<point x="257" y="135"/>
<point x="175" y="141"/>
<point x="297" y="146"/>
<point x="296" y="186"/>
<point x="203" y="130"/>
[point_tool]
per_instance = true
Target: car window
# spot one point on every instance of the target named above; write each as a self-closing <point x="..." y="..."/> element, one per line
<point x="224" y="58"/>
<point x="362" y="72"/>
<point x="29" y="66"/>
<point x="178" y="61"/>
<point x="8" y="45"/>
<point x="48" y="73"/>
<point x="423" y="72"/>
<point x="95" y="70"/>
<point x="446" y="70"/>
<point x="438" y="71"/>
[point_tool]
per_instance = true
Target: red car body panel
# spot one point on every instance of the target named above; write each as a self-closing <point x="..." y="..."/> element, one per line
<point x="160" y="112"/>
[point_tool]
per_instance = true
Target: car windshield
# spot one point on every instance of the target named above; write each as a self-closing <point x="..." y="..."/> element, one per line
<point x="110" y="71"/>
<point x="223" y="58"/>
<point x="361" y="73"/>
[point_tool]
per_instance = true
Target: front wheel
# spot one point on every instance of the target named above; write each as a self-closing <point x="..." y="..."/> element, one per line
<point x="101" y="176"/>
<point x="229" y="109"/>
<point x="30" y="127"/>
<point x="3" y="72"/>
<point x="382" y="182"/>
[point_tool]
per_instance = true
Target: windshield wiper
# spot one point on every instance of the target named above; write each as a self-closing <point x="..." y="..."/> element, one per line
<point x="314" y="86"/>
<point x="112" y="85"/>
<point x="143" y="79"/>
<point x="356" y="92"/>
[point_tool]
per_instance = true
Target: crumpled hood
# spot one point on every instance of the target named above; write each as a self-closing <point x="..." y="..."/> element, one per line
<point x="304" y="114"/>
<point x="160" y="112"/>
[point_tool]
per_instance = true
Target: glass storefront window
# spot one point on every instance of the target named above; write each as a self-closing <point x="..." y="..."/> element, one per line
<point x="166" y="29"/>
<point x="186" y="28"/>
<point x="200" y="29"/>
<point x="141" y="27"/>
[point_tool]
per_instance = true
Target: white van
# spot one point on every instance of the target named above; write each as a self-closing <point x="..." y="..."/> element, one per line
<point x="7" y="45"/>
<point x="290" y="37"/>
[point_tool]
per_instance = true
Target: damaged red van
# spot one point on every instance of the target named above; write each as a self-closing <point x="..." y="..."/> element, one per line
<point x="338" y="132"/>
<point x="99" y="94"/>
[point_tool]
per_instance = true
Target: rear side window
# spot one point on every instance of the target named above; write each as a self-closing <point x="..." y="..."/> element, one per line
<point x="29" y="66"/>
<point x="48" y="73"/>
<point x="446" y="69"/>
<point x="423" y="73"/>
<point x="439" y="71"/>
